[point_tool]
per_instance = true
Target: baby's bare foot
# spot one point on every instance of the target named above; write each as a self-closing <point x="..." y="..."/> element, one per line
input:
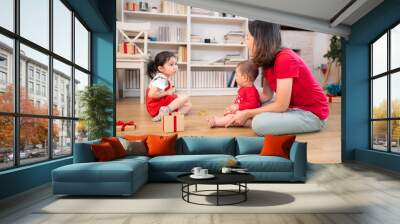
<point x="211" y="121"/>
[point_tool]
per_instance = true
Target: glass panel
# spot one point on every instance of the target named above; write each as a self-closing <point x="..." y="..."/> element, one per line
<point x="81" y="45"/>
<point x="34" y="82"/>
<point x="395" y="47"/>
<point x="379" y="55"/>
<point x="33" y="139"/>
<point x="81" y="131"/>
<point x="6" y="74"/>
<point x="62" y="89"/>
<point x="6" y="142"/>
<point x="395" y="95"/>
<point x="81" y="81"/>
<point x="395" y="138"/>
<point x="35" y="21"/>
<point x="62" y="138"/>
<point x="62" y="29"/>
<point x="7" y="14"/>
<point x="379" y="97"/>
<point x="379" y="135"/>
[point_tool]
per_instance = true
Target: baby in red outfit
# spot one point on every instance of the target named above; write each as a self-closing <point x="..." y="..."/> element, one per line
<point x="247" y="97"/>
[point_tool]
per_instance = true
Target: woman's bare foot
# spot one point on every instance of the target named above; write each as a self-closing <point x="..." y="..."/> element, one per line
<point x="211" y="121"/>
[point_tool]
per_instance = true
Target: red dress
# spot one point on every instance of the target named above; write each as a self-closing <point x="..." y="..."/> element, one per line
<point x="153" y="104"/>
<point x="248" y="98"/>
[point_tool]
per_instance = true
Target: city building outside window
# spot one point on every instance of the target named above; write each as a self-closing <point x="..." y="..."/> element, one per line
<point x="56" y="129"/>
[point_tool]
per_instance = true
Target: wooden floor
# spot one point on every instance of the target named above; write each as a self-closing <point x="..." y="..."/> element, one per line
<point x="378" y="192"/>
<point x="323" y="147"/>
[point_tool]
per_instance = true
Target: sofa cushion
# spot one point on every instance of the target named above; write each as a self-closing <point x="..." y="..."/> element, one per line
<point x="112" y="171"/>
<point x="103" y="152"/>
<point x="257" y="163"/>
<point x="134" y="147"/>
<point x="116" y="145"/>
<point x="160" y="145"/>
<point x="249" y="145"/>
<point x="206" y="145"/>
<point x="185" y="163"/>
<point x="277" y="145"/>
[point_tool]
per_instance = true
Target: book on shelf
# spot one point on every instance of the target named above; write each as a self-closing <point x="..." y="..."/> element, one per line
<point x="179" y="80"/>
<point x="182" y="54"/>
<point x="234" y="37"/>
<point x="170" y="33"/>
<point x="204" y="12"/>
<point x="196" y="38"/>
<point x="213" y="79"/>
<point x="231" y="80"/>
<point x="171" y="7"/>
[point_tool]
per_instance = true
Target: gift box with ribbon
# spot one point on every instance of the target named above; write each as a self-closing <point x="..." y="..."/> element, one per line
<point x="173" y="122"/>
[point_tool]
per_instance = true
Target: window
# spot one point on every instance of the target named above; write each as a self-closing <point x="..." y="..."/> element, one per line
<point x="44" y="91"/>
<point x="81" y="45"/>
<point x="46" y="131"/>
<point x="6" y="74"/>
<point x="385" y="95"/>
<point x="7" y="14"/>
<point x="62" y="74"/>
<point x="35" y="21"/>
<point x="62" y="29"/>
<point x="30" y="73"/>
<point x="30" y="87"/>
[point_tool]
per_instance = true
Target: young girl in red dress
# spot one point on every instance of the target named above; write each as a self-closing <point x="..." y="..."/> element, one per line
<point x="247" y="97"/>
<point x="160" y="95"/>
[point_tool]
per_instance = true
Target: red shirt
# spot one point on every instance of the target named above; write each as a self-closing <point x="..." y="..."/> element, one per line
<point x="307" y="93"/>
<point x="248" y="98"/>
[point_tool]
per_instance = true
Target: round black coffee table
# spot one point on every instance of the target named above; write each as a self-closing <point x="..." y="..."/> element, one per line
<point x="238" y="179"/>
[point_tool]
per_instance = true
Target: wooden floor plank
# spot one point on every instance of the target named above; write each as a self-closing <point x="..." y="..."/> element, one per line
<point x="323" y="147"/>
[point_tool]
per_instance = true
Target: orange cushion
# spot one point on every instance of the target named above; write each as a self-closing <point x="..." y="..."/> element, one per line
<point x="103" y="151"/>
<point x="277" y="145"/>
<point x="116" y="145"/>
<point x="135" y="137"/>
<point x="161" y="145"/>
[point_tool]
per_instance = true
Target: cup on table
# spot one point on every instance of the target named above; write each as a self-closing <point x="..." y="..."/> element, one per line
<point x="226" y="170"/>
<point x="196" y="171"/>
<point x="203" y="172"/>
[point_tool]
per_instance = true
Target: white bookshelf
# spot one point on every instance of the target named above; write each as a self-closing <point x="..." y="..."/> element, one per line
<point x="203" y="25"/>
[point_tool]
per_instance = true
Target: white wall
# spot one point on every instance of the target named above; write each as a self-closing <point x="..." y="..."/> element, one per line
<point x="312" y="47"/>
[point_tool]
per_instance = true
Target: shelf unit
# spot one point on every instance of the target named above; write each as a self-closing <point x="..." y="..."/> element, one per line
<point x="207" y="27"/>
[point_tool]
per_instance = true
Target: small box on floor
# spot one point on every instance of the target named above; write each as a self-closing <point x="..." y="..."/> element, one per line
<point x="173" y="122"/>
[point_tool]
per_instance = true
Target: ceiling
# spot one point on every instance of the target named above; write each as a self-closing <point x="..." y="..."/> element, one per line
<point x="326" y="16"/>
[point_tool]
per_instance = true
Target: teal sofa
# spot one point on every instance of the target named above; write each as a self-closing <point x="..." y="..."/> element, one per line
<point x="125" y="176"/>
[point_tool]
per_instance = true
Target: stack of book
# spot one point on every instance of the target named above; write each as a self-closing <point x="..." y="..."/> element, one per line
<point x="213" y="79"/>
<point x="233" y="59"/>
<point x="234" y="37"/>
<point x="199" y="11"/>
<point x="182" y="54"/>
<point x="171" y="7"/>
<point x="170" y="33"/>
<point x="179" y="80"/>
<point x="196" y="38"/>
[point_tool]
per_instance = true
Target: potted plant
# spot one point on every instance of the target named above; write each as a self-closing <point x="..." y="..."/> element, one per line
<point x="96" y="103"/>
<point x="332" y="77"/>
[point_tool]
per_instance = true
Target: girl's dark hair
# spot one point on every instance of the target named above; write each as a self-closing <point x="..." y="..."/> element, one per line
<point x="267" y="42"/>
<point x="160" y="59"/>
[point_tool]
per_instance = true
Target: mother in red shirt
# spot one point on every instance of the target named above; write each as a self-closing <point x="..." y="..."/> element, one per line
<point x="294" y="102"/>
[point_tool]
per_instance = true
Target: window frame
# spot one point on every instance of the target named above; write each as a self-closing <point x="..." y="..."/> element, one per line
<point x="388" y="74"/>
<point x="16" y="114"/>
